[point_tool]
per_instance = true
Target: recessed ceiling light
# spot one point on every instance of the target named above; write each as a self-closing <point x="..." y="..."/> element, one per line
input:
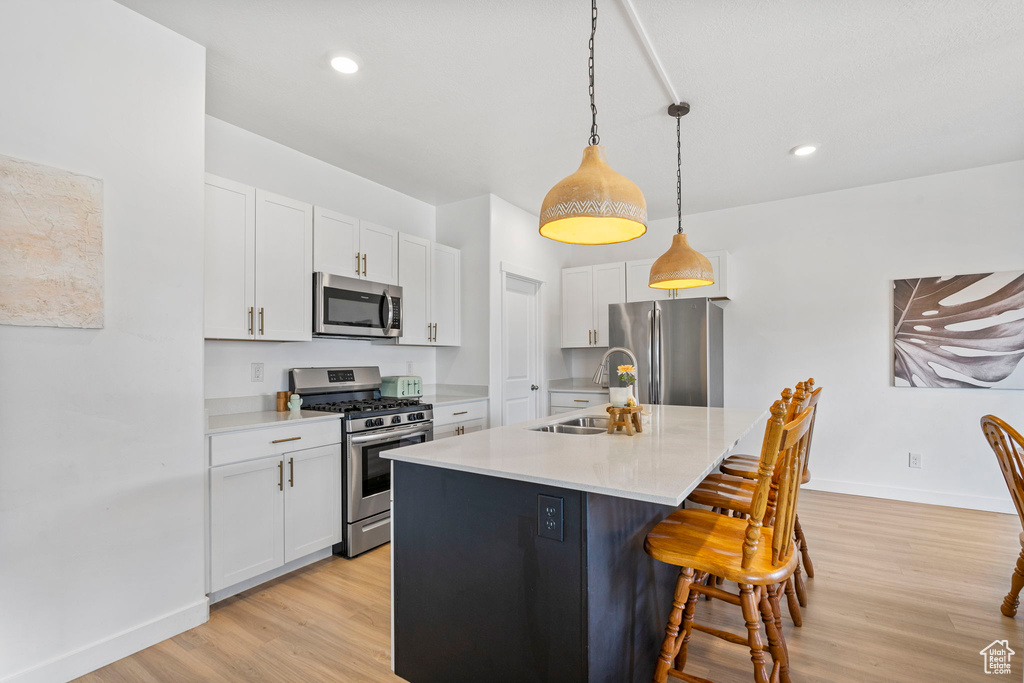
<point x="803" y="150"/>
<point x="345" y="63"/>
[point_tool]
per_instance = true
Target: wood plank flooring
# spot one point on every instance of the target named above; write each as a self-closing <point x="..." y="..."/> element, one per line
<point x="902" y="592"/>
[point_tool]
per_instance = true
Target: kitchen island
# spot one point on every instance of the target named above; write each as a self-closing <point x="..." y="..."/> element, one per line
<point x="518" y="554"/>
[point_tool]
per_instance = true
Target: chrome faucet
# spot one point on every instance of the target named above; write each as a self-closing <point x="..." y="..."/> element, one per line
<point x="602" y="370"/>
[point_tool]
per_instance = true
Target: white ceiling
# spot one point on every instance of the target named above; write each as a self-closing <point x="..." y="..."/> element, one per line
<point x="457" y="97"/>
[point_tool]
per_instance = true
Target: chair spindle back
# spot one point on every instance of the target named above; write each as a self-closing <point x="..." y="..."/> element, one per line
<point x="1008" y="445"/>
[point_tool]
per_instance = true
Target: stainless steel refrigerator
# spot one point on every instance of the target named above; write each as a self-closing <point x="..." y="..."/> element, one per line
<point x="678" y="345"/>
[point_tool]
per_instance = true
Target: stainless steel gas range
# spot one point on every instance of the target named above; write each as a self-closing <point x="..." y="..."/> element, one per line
<point x="371" y="424"/>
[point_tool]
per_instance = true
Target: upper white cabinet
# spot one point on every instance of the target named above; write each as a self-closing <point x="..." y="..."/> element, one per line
<point x="638" y="273"/>
<point x="259" y="260"/>
<point x="586" y="293"/>
<point x="343" y="245"/>
<point x="430" y="277"/>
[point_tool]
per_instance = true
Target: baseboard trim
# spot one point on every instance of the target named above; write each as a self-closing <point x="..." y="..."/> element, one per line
<point x="956" y="500"/>
<point x="102" y="652"/>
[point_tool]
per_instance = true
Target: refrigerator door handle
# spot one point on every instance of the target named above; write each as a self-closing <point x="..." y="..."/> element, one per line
<point x="655" y="381"/>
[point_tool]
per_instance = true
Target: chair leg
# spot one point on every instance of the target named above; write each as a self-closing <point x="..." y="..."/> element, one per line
<point x="794" y="604"/>
<point x="775" y="596"/>
<point x="691" y="607"/>
<point x="668" y="646"/>
<point x="1012" y="598"/>
<point x="804" y="553"/>
<point x="775" y="643"/>
<point x="751" y="612"/>
<point x="801" y="588"/>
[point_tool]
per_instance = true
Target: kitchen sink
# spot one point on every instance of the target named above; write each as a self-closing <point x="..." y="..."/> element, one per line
<point x="577" y="425"/>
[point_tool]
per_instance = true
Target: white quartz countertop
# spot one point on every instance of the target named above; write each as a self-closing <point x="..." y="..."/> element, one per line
<point x="441" y="398"/>
<point x="662" y="464"/>
<point x="266" y="418"/>
<point x="576" y="385"/>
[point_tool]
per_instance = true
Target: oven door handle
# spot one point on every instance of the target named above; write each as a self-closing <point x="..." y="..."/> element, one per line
<point x="387" y="436"/>
<point x="391" y="312"/>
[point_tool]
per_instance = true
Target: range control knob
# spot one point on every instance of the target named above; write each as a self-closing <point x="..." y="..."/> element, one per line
<point x="369" y="423"/>
<point x="397" y="419"/>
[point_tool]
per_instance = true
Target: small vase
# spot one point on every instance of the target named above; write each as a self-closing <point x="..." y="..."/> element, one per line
<point x="620" y="396"/>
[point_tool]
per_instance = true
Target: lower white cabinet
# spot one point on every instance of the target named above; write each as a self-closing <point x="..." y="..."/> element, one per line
<point x="272" y="510"/>
<point x="459" y="418"/>
<point x="565" y="401"/>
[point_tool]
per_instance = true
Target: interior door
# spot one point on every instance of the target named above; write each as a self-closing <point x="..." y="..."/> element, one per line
<point x="380" y="253"/>
<point x="609" y="288"/>
<point x="578" y="306"/>
<point x="638" y="274"/>
<point x="335" y="243"/>
<point x="246" y="520"/>
<point x="312" y="500"/>
<point x="520" y="371"/>
<point x="414" y="277"/>
<point x="229" y="277"/>
<point x="284" y="268"/>
<point x="445" y="294"/>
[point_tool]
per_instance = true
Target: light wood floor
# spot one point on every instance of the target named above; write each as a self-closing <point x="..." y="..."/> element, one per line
<point x="902" y="592"/>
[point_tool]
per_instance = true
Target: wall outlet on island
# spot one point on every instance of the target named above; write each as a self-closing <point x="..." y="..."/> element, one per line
<point x="257" y="372"/>
<point x="914" y="461"/>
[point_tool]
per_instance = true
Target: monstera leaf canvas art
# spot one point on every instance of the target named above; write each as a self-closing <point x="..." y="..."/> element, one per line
<point x="961" y="331"/>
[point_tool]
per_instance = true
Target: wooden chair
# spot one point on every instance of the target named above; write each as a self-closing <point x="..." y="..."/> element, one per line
<point x="745" y="467"/>
<point x="1008" y="445"/>
<point x="757" y="557"/>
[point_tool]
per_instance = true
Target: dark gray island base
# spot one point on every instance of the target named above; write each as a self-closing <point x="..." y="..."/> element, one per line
<point x="480" y="596"/>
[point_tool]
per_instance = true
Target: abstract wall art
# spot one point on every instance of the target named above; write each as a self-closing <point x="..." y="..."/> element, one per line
<point x="960" y="331"/>
<point x="51" y="246"/>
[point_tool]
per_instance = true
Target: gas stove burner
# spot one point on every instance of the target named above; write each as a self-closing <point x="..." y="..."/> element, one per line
<point x="366" y="405"/>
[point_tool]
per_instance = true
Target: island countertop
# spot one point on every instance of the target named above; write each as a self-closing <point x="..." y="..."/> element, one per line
<point x="663" y="464"/>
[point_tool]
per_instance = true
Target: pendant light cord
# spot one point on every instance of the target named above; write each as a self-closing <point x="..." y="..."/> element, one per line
<point x="679" y="177"/>
<point x="594" y="137"/>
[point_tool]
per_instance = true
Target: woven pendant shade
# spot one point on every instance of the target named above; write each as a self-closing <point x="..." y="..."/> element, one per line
<point x="681" y="267"/>
<point x="594" y="205"/>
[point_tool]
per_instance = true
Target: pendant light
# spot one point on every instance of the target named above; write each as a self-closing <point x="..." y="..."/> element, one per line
<point x="682" y="266"/>
<point x="594" y="205"/>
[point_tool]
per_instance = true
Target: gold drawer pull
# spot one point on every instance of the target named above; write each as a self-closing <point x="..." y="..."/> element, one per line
<point x="581" y="400"/>
<point x="461" y="412"/>
<point x="291" y="438"/>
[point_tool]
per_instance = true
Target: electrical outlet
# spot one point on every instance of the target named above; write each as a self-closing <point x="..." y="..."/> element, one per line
<point x="914" y="461"/>
<point x="549" y="517"/>
<point x="408" y="368"/>
<point x="257" y="372"/>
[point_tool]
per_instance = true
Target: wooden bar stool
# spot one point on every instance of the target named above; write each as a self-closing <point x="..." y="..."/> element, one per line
<point x="1008" y="445"/>
<point x="757" y="557"/>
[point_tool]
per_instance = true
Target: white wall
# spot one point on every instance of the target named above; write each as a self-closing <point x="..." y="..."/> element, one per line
<point x="235" y="153"/>
<point x="466" y="225"/>
<point x="101" y="431"/>
<point x="515" y="240"/>
<point x="822" y="266"/>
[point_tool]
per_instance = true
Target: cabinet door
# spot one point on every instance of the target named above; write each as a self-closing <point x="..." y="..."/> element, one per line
<point x="312" y="500"/>
<point x="638" y="274"/>
<point x="720" y="267"/>
<point x="445" y="431"/>
<point x="335" y="243"/>
<point x="446" y="294"/>
<point x="609" y="288"/>
<point x="246" y="521"/>
<point x="577" y="306"/>
<point x="414" y="277"/>
<point x="229" y="279"/>
<point x="379" y="246"/>
<point x="472" y="426"/>
<point x="284" y="268"/>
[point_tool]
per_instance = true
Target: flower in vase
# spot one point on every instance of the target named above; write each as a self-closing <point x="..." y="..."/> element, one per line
<point x="627" y="373"/>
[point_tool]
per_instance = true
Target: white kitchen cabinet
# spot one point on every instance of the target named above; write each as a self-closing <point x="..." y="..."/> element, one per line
<point x="336" y="243"/>
<point x="246" y="520"/>
<point x="586" y="293"/>
<point x="445" y="295"/>
<point x="378" y="247"/>
<point x="719" y="290"/>
<point x="312" y="501"/>
<point x="430" y="276"/>
<point x="284" y="268"/>
<point x="456" y="419"/>
<point x="229" y="272"/>
<point x="258" y="249"/>
<point x="638" y="275"/>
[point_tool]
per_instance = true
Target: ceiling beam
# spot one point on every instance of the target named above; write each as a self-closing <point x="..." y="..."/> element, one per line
<point x="645" y="42"/>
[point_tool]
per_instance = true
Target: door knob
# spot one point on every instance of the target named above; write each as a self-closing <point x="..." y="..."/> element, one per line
<point x="534" y="387"/>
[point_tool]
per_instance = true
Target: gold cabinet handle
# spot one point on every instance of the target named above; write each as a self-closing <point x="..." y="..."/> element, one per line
<point x="250" y="320"/>
<point x="280" y="475"/>
<point x="291" y="472"/>
<point x="435" y="332"/>
<point x="595" y="337"/>
<point x="461" y="412"/>
<point x="364" y="265"/>
<point x="357" y="263"/>
<point x="290" y="438"/>
<point x="590" y="337"/>
<point x="261" y="320"/>
<point x="581" y="400"/>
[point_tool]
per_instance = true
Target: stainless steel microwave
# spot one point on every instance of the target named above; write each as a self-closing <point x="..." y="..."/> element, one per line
<point x="347" y="307"/>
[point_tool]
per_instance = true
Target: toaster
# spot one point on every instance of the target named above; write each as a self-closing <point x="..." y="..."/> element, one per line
<point x="401" y="387"/>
